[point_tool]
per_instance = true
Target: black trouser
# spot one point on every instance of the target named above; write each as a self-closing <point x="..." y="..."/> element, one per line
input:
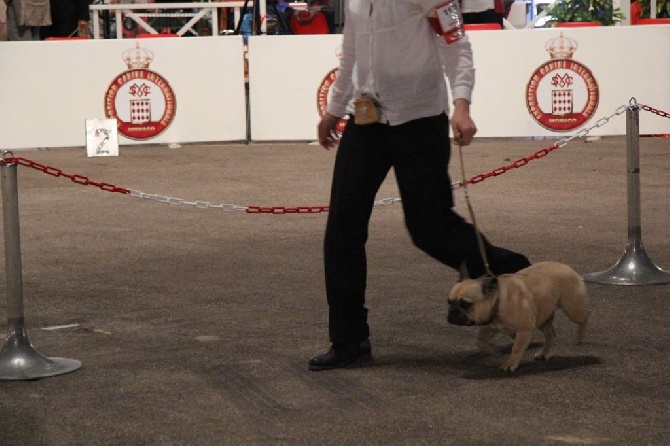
<point x="419" y="153"/>
<point x="488" y="16"/>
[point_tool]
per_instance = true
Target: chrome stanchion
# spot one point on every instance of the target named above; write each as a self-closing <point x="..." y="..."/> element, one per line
<point x="18" y="359"/>
<point x="634" y="267"/>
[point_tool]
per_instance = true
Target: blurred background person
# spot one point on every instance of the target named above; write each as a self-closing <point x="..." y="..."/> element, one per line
<point x="482" y="11"/>
<point x="68" y="18"/>
<point x="24" y="18"/>
<point x="3" y="20"/>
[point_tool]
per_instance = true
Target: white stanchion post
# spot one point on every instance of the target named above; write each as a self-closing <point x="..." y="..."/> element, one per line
<point x="18" y="359"/>
<point x="634" y="267"/>
<point x="624" y="5"/>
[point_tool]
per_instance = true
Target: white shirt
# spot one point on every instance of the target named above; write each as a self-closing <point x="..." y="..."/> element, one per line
<point x="390" y="52"/>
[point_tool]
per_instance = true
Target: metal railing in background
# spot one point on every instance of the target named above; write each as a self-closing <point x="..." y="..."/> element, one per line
<point x="195" y="12"/>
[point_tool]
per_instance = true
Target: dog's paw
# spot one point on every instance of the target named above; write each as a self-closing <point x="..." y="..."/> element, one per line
<point x="509" y="366"/>
<point x="542" y="356"/>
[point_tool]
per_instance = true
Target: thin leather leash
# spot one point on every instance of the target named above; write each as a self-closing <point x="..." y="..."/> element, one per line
<point x="464" y="185"/>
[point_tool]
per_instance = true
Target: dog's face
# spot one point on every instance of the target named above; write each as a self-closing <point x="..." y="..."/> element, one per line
<point x="471" y="301"/>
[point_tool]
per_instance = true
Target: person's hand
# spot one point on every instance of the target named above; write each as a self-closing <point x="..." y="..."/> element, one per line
<point x="463" y="126"/>
<point x="83" y="29"/>
<point x="328" y="136"/>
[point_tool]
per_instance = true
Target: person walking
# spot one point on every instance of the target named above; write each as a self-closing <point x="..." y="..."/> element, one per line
<point x="3" y="21"/>
<point x="391" y="81"/>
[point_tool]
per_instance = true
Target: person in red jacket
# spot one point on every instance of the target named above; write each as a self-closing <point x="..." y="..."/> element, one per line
<point x="635" y="12"/>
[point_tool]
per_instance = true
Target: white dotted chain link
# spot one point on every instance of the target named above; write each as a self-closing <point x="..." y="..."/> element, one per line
<point x="224" y="207"/>
<point x="383" y="202"/>
<point x="599" y="123"/>
<point x="182" y="202"/>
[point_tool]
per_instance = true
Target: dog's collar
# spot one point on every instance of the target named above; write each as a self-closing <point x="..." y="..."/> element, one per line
<point x="494" y="313"/>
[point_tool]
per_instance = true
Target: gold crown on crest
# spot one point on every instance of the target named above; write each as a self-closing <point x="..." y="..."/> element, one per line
<point x="137" y="57"/>
<point x="561" y="47"/>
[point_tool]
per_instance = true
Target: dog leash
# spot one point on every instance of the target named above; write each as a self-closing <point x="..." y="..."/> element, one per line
<point x="464" y="185"/>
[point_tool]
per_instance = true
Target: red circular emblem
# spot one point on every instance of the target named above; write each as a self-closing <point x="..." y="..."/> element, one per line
<point x="562" y="94"/>
<point x="142" y="102"/>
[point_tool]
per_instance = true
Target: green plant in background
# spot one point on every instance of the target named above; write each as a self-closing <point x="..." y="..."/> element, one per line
<point x="602" y="11"/>
<point x="662" y="8"/>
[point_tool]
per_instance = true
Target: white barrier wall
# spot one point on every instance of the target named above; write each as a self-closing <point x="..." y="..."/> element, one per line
<point x="623" y="61"/>
<point x="286" y="72"/>
<point x="49" y="89"/>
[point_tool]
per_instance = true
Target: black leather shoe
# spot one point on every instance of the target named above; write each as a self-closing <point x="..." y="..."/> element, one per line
<point x="342" y="356"/>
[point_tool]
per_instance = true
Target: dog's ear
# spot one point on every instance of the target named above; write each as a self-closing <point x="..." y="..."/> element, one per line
<point x="463" y="272"/>
<point x="489" y="286"/>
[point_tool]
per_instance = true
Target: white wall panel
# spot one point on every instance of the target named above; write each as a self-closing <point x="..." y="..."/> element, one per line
<point x="49" y="89"/>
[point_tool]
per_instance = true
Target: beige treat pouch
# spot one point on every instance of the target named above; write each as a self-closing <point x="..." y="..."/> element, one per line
<point x="366" y="110"/>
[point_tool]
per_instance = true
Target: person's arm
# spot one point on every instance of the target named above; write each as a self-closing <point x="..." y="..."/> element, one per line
<point x="341" y="91"/>
<point x="462" y="125"/>
<point x="461" y="75"/>
<point x="459" y="69"/>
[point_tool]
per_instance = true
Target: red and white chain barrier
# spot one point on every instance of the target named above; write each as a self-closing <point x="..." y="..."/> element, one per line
<point x="521" y="162"/>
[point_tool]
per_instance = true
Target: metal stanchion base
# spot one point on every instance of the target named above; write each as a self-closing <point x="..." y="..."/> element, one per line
<point x="633" y="268"/>
<point x="20" y="361"/>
